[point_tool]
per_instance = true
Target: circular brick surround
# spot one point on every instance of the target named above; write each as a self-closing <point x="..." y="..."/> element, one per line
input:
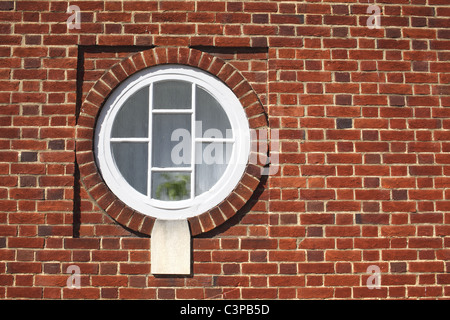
<point x="90" y="109"/>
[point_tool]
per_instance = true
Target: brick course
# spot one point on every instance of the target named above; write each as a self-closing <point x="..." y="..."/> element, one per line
<point x="363" y="119"/>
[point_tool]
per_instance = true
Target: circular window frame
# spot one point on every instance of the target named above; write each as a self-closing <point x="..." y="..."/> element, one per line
<point x="93" y="182"/>
<point x="173" y="210"/>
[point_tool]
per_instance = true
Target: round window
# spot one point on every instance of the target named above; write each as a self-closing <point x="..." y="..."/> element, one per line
<point x="172" y="141"/>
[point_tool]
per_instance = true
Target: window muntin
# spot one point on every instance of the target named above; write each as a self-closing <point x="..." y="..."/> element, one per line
<point x="186" y="138"/>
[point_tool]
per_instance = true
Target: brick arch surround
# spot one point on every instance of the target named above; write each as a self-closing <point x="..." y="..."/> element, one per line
<point x="90" y="109"/>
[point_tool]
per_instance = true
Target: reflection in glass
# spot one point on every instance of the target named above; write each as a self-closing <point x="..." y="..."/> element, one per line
<point x="131" y="160"/>
<point x="210" y="163"/>
<point x="171" y="145"/>
<point x="210" y="115"/>
<point x="171" y="186"/>
<point x="172" y="95"/>
<point x="132" y="118"/>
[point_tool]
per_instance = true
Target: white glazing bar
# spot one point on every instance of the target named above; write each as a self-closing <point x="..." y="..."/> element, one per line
<point x="129" y="139"/>
<point x="150" y="140"/>
<point x="223" y="140"/>
<point x="193" y="141"/>
<point x="171" y="169"/>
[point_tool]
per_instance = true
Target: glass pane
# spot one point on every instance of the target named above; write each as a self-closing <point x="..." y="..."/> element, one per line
<point x="172" y="95"/>
<point x="131" y="160"/>
<point x="210" y="163"/>
<point x="132" y="118"/>
<point x="210" y="117"/>
<point x="171" y="140"/>
<point x="171" y="186"/>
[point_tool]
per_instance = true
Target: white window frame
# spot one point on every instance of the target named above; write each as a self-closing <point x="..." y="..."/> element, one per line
<point x="173" y="210"/>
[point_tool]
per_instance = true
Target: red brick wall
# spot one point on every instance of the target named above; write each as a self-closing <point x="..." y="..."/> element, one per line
<point x="363" y="119"/>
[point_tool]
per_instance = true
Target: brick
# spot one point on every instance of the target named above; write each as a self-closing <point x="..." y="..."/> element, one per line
<point x="7" y="5"/>
<point x="311" y="218"/>
<point x="82" y="293"/>
<point x="317" y="194"/>
<point x="342" y="280"/>
<point x="54" y="255"/>
<point x="28" y="168"/>
<point x="287" y="256"/>
<point x="343" y="255"/>
<point x="225" y="256"/>
<point x="51" y="280"/>
<point x="108" y="281"/>
<point x="81" y="243"/>
<point x="137" y="293"/>
<point x="134" y="268"/>
<point x="315" y="293"/>
<point x="399" y="254"/>
<point x="260" y="7"/>
<point x="109" y="255"/>
<point x="259" y="293"/>
<point x="365" y="292"/>
<point x="398" y="230"/>
<point x="258" y="244"/>
<point x="317" y="243"/>
<point x="369" y="243"/>
<point x="425" y="170"/>
<point x="24" y="292"/>
<point x="24" y="267"/>
<point x="27" y="193"/>
<point x="286" y="231"/>
<point x="341" y="206"/>
<point x="342" y="231"/>
<point x="426" y="266"/>
<point x="425" y="243"/>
